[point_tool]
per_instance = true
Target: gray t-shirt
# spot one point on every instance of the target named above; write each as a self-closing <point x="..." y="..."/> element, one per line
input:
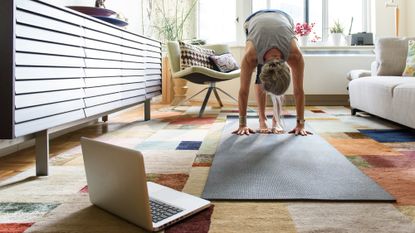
<point x="269" y="30"/>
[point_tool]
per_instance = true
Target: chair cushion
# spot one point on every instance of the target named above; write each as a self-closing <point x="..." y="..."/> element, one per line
<point x="410" y="60"/>
<point x="191" y="55"/>
<point x="224" y="63"/>
<point x="391" y="55"/>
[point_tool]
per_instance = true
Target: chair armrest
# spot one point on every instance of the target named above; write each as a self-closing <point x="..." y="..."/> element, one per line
<point x="355" y="74"/>
<point x="207" y="72"/>
<point x="374" y="68"/>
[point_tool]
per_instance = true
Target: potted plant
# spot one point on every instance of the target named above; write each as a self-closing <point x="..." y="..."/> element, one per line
<point x="303" y="31"/>
<point x="336" y="33"/>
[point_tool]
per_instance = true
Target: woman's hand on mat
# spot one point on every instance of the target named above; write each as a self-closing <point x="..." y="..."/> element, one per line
<point x="243" y="130"/>
<point x="299" y="130"/>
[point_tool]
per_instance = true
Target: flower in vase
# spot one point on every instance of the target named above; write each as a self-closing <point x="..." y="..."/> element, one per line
<point x="303" y="29"/>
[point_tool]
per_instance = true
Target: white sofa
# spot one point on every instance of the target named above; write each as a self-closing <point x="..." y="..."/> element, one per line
<point x="385" y="93"/>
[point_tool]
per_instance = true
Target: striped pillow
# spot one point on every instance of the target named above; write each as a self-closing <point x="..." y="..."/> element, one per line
<point x="191" y="55"/>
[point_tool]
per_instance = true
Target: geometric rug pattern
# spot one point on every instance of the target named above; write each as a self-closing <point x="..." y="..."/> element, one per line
<point x="179" y="148"/>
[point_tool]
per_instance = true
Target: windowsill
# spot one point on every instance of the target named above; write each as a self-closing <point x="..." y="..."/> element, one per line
<point x="332" y="50"/>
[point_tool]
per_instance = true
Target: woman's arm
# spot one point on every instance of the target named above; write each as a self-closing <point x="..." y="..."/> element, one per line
<point x="248" y="65"/>
<point x="296" y="63"/>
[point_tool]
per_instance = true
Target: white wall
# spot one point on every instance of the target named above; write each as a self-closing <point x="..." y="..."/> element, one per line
<point x="131" y="9"/>
<point x="384" y="18"/>
<point x="410" y="20"/>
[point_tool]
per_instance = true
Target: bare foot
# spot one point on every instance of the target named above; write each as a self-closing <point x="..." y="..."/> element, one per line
<point x="263" y="127"/>
<point x="276" y="126"/>
<point x="277" y="130"/>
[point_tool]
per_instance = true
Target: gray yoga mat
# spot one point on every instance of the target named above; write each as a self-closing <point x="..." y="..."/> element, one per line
<point x="285" y="167"/>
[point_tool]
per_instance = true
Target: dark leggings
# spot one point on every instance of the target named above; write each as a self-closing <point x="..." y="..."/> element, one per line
<point x="258" y="72"/>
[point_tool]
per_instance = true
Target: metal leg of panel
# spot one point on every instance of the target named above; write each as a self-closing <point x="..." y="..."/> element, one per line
<point x="147" y="110"/>
<point x="105" y="118"/>
<point x="42" y="153"/>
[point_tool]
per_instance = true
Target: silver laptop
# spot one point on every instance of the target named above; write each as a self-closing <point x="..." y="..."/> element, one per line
<point x="117" y="183"/>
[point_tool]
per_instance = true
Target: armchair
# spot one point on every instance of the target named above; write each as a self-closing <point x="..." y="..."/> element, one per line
<point x="201" y="75"/>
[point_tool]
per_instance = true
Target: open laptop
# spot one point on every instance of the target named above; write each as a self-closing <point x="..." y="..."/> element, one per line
<point x="117" y="183"/>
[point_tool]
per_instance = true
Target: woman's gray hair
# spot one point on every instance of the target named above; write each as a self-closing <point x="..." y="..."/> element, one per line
<point x="275" y="77"/>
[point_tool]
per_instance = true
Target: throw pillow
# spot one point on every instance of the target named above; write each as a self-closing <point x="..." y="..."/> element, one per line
<point x="410" y="60"/>
<point x="191" y="55"/>
<point x="389" y="55"/>
<point x="225" y="62"/>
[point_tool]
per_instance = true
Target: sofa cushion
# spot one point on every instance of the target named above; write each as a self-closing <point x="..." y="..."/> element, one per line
<point x="403" y="104"/>
<point x="410" y="60"/>
<point x="391" y="55"/>
<point x="375" y="94"/>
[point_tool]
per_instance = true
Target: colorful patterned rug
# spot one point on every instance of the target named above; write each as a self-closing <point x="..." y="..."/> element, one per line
<point x="179" y="147"/>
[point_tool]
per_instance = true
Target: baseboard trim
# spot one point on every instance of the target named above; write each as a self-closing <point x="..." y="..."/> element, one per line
<point x="325" y="100"/>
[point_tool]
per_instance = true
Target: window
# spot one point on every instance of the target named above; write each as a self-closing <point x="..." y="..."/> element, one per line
<point x="218" y="24"/>
<point x="293" y="7"/>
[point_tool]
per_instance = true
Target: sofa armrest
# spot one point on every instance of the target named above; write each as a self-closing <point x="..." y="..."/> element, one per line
<point x="374" y="68"/>
<point x="355" y="74"/>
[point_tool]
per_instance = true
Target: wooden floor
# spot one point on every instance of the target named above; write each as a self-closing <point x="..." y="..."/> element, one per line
<point x="17" y="162"/>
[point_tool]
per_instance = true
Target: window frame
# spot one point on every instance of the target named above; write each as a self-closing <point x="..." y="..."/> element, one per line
<point x="244" y="9"/>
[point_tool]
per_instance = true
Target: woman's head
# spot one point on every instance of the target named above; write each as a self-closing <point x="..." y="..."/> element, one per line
<point x="275" y="77"/>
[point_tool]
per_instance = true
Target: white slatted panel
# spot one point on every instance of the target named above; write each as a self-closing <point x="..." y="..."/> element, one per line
<point x="153" y="54"/>
<point x="153" y="66"/>
<point x="130" y="94"/>
<point x="92" y="53"/>
<point x="90" y="72"/>
<point x="98" y="63"/>
<point x="95" y="44"/>
<point x="152" y="89"/>
<point x="95" y="91"/>
<point x="46" y="35"/>
<point x="47" y="122"/>
<point x="103" y="27"/>
<point x="94" y="82"/>
<point x="92" y="101"/>
<point x="153" y="83"/>
<point x="130" y="58"/>
<point x="153" y="77"/>
<point x="26" y="59"/>
<point x="114" y="105"/>
<point x="36" y="112"/>
<point x="43" y="22"/>
<point x="153" y="60"/>
<point x="70" y="66"/>
<point x="152" y="72"/>
<point x="131" y="72"/>
<point x="25" y="45"/>
<point x="95" y="35"/>
<point x="23" y="73"/>
<point x="45" y="9"/>
<point x="28" y="100"/>
<point x="23" y="87"/>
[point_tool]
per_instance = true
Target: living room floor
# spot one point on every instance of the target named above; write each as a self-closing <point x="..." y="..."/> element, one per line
<point x="179" y="147"/>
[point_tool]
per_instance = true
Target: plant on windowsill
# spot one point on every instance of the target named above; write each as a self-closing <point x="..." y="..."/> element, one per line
<point x="336" y="32"/>
<point x="172" y="23"/>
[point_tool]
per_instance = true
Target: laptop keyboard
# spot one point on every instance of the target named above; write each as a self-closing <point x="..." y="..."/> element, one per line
<point x="161" y="211"/>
